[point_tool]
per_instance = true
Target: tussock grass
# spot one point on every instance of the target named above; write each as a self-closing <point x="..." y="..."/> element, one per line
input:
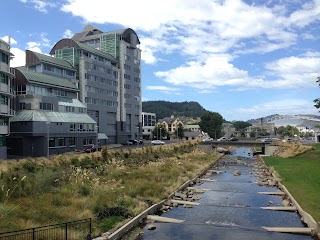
<point x="69" y="187"/>
<point x="291" y="149"/>
<point x="300" y="174"/>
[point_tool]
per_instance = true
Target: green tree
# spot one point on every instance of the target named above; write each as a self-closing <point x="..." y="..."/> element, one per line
<point x="211" y="123"/>
<point x="317" y="101"/>
<point x="179" y="131"/>
<point x="240" y="125"/>
<point x="159" y="130"/>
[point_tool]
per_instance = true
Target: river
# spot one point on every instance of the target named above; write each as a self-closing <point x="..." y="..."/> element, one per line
<point x="230" y="209"/>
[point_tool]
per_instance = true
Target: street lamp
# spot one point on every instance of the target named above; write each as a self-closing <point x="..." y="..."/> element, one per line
<point x="137" y="136"/>
<point x="97" y="128"/>
<point x="48" y="125"/>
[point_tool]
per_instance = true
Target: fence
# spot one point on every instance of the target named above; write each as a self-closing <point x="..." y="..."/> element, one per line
<point x="76" y="230"/>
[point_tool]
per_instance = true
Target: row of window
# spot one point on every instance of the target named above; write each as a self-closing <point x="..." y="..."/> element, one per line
<point x="44" y="91"/>
<point x="127" y="86"/>
<point x="46" y="106"/>
<point x="127" y="76"/>
<point x="126" y="67"/>
<point x="90" y="66"/>
<point x="101" y="91"/>
<point x="82" y="127"/>
<point x="102" y="102"/>
<point x="100" y="79"/>
<point x="58" y="70"/>
<point x="61" y="142"/>
<point x="72" y="109"/>
<point x="98" y="58"/>
<point x="136" y="70"/>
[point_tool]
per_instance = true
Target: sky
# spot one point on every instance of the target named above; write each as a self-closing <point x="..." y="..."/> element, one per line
<point x="243" y="59"/>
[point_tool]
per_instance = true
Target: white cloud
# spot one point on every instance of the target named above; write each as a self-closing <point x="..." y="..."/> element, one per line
<point x="165" y="89"/>
<point x="68" y="34"/>
<point x="310" y="12"/>
<point x="283" y="107"/>
<point x="19" y="57"/>
<point x="6" y="39"/>
<point x="40" y="5"/>
<point x="198" y="29"/>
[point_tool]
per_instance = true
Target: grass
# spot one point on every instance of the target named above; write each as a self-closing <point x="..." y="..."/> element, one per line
<point x="301" y="175"/>
<point x="35" y="192"/>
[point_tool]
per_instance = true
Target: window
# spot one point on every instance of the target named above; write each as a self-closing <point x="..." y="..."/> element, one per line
<point x="61" y="142"/>
<point x="127" y="67"/>
<point x="127" y="76"/>
<point x="4" y="100"/>
<point x="72" y="141"/>
<point x="72" y="127"/>
<point x="4" y="78"/>
<point x="46" y="106"/>
<point x="127" y="86"/>
<point x="70" y="109"/>
<point x="69" y="73"/>
<point x="48" y="68"/>
<point x="136" y="70"/>
<point x="51" y="142"/>
<point x="22" y="105"/>
<point x="115" y="74"/>
<point x="137" y="80"/>
<point x="5" y="58"/>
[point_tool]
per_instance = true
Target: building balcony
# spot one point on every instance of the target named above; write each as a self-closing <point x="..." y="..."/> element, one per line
<point x="4" y="129"/>
<point x="5" y="110"/>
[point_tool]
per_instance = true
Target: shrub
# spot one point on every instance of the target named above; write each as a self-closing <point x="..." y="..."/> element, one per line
<point x="104" y="154"/>
<point x="86" y="161"/>
<point x="29" y="166"/>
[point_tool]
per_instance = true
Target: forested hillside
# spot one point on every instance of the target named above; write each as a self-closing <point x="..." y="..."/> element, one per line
<point x="166" y="109"/>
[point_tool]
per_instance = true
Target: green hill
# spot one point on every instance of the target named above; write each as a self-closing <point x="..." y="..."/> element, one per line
<point x="166" y="109"/>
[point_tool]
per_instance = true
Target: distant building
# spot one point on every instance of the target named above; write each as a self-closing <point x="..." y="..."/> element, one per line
<point x="170" y="123"/>
<point x="192" y="135"/>
<point x="148" y="124"/>
<point x="228" y="129"/>
<point x="49" y="118"/>
<point x="108" y="65"/>
<point x="6" y="96"/>
<point x="192" y="127"/>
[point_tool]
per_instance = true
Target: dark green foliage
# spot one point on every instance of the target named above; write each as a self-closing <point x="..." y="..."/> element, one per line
<point x="108" y="223"/>
<point x="166" y="109"/>
<point x="240" y="125"/>
<point x="211" y="123"/>
<point x="86" y="161"/>
<point x="75" y="161"/>
<point x="29" y="166"/>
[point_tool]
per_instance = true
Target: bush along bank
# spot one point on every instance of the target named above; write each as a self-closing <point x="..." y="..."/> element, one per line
<point x="109" y="187"/>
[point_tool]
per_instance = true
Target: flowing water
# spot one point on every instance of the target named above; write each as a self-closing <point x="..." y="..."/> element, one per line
<point x="230" y="209"/>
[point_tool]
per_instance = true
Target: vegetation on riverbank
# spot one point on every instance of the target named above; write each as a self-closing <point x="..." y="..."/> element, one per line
<point x="300" y="174"/>
<point x="109" y="186"/>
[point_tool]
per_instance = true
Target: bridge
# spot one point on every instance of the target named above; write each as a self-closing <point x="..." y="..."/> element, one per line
<point x="239" y="144"/>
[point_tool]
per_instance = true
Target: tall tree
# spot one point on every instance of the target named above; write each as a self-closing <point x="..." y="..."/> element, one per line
<point x="211" y="123"/>
<point x="240" y="125"/>
<point x="317" y="101"/>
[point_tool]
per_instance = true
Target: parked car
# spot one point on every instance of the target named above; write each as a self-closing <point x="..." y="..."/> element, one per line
<point x="222" y="139"/>
<point x="157" y="142"/>
<point x="92" y="148"/>
<point x="135" y="142"/>
<point x="287" y="139"/>
<point x="233" y="139"/>
<point x="207" y="140"/>
<point x="126" y="143"/>
<point x="266" y="140"/>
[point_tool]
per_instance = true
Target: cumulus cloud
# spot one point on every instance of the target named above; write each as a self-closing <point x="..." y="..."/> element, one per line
<point x="19" y="58"/>
<point x="6" y="39"/>
<point x="40" y="5"/>
<point x="165" y="89"/>
<point x="67" y="34"/>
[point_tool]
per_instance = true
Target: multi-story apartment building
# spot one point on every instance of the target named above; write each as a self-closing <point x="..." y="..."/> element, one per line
<point x="50" y="118"/>
<point x="120" y="52"/>
<point x="6" y="95"/>
<point x="148" y="124"/>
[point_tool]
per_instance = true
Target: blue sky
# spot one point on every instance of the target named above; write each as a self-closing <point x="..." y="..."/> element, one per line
<point x="243" y="59"/>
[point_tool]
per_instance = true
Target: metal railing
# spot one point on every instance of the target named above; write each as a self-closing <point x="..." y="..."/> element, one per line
<point x="76" y="230"/>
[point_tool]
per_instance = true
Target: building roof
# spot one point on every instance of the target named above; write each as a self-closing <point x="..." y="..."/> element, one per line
<point x="45" y="79"/>
<point x="54" y="61"/>
<point x="71" y="43"/>
<point x="72" y="102"/>
<point x="192" y="134"/>
<point x="96" y="51"/>
<point x="49" y="116"/>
